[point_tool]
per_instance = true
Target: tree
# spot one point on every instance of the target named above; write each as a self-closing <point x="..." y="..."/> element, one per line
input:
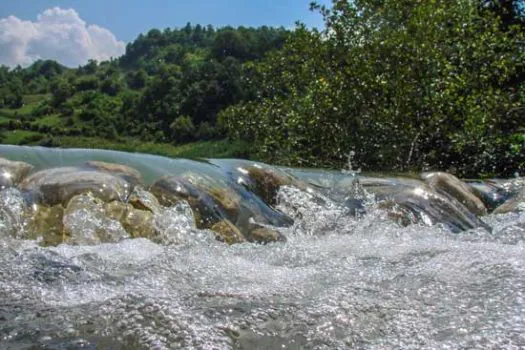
<point x="229" y="43"/>
<point x="183" y="129"/>
<point x="61" y="91"/>
<point x="404" y="84"/>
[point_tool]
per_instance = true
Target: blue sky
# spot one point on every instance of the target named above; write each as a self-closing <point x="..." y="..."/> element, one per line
<point x="127" y="18"/>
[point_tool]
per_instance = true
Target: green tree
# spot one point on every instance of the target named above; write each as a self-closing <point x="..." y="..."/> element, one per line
<point x="183" y="129"/>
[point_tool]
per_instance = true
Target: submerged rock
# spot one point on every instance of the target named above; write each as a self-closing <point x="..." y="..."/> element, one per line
<point x="139" y="223"/>
<point x="12" y="173"/>
<point x="171" y="190"/>
<point x="132" y="176"/>
<point x="144" y="200"/>
<point x="226" y="197"/>
<point x="264" y="235"/>
<point x="515" y="204"/>
<point x="265" y="182"/>
<point x="422" y="204"/>
<point x="226" y="232"/>
<point x="85" y="222"/>
<point x="216" y="208"/>
<point x="46" y="224"/>
<point x="450" y="185"/>
<point x="59" y="185"/>
<point x="492" y="194"/>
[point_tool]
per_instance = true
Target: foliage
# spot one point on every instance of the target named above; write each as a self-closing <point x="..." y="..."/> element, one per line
<point x="403" y="84"/>
<point x="162" y="76"/>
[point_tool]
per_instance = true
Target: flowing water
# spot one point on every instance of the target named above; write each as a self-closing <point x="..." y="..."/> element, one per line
<point x="339" y="282"/>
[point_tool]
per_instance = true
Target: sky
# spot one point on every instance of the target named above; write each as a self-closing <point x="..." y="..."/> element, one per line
<point x="74" y="31"/>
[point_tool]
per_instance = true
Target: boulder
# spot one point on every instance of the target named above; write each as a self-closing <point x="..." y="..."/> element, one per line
<point x="424" y="205"/>
<point x="226" y="232"/>
<point x="265" y="182"/>
<point x="132" y="176"/>
<point x="450" y="185"/>
<point x="59" y="185"/>
<point x="12" y="172"/>
<point x="513" y="205"/>
<point x="226" y="197"/>
<point x="492" y="194"/>
<point x="265" y="235"/>
<point x="170" y="190"/>
<point x="139" y="223"/>
<point x="144" y="200"/>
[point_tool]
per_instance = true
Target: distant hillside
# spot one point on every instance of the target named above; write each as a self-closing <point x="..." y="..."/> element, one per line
<point x="167" y="88"/>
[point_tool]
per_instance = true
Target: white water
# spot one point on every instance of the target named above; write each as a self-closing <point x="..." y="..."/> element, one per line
<point x="337" y="283"/>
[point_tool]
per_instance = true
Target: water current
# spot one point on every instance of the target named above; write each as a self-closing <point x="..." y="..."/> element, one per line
<point x="339" y="281"/>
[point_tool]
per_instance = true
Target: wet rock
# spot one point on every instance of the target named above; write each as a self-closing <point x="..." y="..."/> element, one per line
<point x="171" y="190"/>
<point x="46" y="224"/>
<point x="265" y="235"/>
<point x="117" y="210"/>
<point x="450" y="185"/>
<point x="226" y="232"/>
<point x="139" y="223"/>
<point x="492" y="194"/>
<point x="226" y="197"/>
<point x="265" y="182"/>
<point x="85" y="222"/>
<point x="144" y="200"/>
<point x="430" y="207"/>
<point x="132" y="176"/>
<point x="12" y="172"/>
<point x="515" y="204"/>
<point x="59" y="185"/>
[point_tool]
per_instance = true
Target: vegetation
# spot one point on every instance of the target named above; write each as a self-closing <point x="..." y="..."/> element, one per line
<point x="400" y="84"/>
<point x="167" y="89"/>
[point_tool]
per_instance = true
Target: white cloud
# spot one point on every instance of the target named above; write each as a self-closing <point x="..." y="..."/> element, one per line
<point x="58" y="34"/>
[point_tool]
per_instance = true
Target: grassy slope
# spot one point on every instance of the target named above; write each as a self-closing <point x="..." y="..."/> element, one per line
<point x="202" y="149"/>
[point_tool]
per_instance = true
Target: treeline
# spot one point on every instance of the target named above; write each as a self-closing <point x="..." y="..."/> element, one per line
<point x="168" y="87"/>
<point x="402" y="84"/>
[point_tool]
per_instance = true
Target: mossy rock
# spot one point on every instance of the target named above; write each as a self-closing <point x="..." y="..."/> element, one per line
<point x="139" y="223"/>
<point x="47" y="223"/>
<point x="144" y="200"/>
<point x="265" y="235"/>
<point x="226" y="232"/>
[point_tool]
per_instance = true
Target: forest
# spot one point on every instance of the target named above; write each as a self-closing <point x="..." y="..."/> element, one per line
<point x="396" y="85"/>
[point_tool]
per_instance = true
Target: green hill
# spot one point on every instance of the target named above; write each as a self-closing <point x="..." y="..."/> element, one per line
<point x="167" y="89"/>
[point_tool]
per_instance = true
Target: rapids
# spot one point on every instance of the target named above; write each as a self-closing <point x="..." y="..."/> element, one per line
<point x="346" y="277"/>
